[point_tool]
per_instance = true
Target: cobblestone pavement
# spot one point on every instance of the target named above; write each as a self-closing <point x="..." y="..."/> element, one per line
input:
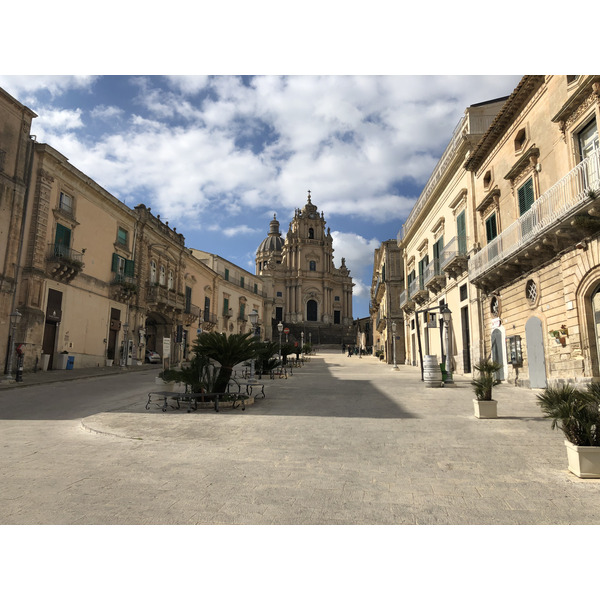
<point x="342" y="441"/>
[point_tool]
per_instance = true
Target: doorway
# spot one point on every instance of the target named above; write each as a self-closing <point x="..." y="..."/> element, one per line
<point x="311" y="310"/>
<point x="497" y="353"/>
<point x="536" y="359"/>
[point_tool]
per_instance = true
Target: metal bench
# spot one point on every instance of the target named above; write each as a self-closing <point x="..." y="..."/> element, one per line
<point x="192" y="399"/>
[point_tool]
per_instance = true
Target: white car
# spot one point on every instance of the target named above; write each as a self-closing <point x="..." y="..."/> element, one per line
<point x="152" y="357"/>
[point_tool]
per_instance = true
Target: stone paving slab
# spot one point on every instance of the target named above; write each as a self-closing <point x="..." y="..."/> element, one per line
<point x="342" y="441"/>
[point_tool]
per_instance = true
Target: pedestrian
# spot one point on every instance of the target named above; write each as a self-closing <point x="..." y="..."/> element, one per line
<point x="349" y="350"/>
<point x="344" y="348"/>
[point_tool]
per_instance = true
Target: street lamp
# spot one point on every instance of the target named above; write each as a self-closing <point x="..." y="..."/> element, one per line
<point x="15" y="318"/>
<point x="280" y="329"/>
<point x="302" y="346"/>
<point x="253" y="317"/>
<point x="447" y="317"/>
<point x="395" y="367"/>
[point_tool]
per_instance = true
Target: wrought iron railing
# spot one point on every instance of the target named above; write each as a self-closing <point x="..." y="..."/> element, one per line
<point x="457" y="246"/>
<point x="565" y="196"/>
<point x="60" y="251"/>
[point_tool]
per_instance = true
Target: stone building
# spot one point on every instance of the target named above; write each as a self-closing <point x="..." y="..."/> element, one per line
<point x="537" y="183"/>
<point x="16" y="157"/>
<point x="92" y="279"/>
<point x="239" y="292"/>
<point x="303" y="288"/>
<point x="437" y="239"/>
<point x="386" y="287"/>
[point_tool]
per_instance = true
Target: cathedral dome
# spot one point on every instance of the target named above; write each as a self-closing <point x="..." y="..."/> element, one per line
<point x="273" y="242"/>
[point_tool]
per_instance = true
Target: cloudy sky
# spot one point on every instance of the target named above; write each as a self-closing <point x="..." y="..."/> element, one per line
<point x="217" y="156"/>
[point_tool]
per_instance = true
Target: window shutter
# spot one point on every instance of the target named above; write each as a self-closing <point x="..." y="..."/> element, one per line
<point x="129" y="268"/>
<point x="115" y="263"/>
<point x="461" y="233"/>
<point x="525" y="193"/>
<point x="490" y="228"/>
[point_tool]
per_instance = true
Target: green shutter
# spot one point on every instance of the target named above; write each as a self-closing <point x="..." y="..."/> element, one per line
<point x="115" y="263"/>
<point x="461" y="233"/>
<point x="63" y="236"/>
<point x="490" y="228"/>
<point x="226" y="274"/>
<point x="226" y="306"/>
<point x="525" y="193"/>
<point x="129" y="268"/>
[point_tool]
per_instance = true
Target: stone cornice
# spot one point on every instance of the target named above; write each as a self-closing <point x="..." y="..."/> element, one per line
<point x="527" y="160"/>
<point x="515" y="103"/>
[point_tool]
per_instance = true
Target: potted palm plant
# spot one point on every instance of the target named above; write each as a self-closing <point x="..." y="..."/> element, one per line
<point x="577" y="414"/>
<point x="485" y="407"/>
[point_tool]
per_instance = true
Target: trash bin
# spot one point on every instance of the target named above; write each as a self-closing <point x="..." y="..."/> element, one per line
<point x="70" y="363"/>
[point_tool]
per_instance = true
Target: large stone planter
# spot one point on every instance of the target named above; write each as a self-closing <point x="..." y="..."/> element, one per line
<point x="486" y="409"/>
<point x="584" y="461"/>
<point x="161" y="384"/>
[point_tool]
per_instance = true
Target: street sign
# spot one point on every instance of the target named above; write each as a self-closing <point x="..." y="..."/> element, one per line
<point x="286" y="330"/>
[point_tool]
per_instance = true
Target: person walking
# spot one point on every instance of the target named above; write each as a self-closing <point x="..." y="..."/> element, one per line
<point x="349" y="350"/>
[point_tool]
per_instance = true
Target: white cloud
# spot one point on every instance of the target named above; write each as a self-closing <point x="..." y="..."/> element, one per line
<point x="53" y="120"/>
<point x="25" y="86"/>
<point x="107" y="112"/>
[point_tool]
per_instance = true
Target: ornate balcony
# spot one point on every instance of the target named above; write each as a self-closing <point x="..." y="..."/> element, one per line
<point x="454" y="258"/>
<point x="407" y="304"/>
<point x="123" y="288"/>
<point x="63" y="263"/>
<point x="164" y="299"/>
<point x="209" y="320"/>
<point x="564" y="215"/>
<point x="417" y="291"/>
<point x="434" y="278"/>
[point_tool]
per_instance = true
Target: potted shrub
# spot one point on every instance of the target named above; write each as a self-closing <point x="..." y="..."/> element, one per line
<point x="485" y="407"/>
<point x="577" y="414"/>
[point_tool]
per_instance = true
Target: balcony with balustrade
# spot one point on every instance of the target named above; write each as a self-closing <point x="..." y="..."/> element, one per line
<point x="454" y="258"/>
<point x="564" y="215"/>
<point x="434" y="278"/>
<point x="417" y="290"/>
<point x="63" y="263"/>
<point x="407" y="304"/>
<point x="123" y="287"/>
<point x="163" y="299"/>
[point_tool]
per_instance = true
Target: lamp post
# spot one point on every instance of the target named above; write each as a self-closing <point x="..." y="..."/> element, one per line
<point x="253" y="317"/>
<point x="15" y="318"/>
<point x="280" y="329"/>
<point x="395" y="367"/>
<point x="447" y="317"/>
<point x="302" y="346"/>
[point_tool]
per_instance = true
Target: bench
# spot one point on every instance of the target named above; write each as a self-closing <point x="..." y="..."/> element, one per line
<point x="193" y="399"/>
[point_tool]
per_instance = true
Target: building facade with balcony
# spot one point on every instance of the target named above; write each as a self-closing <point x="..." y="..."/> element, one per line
<point x="437" y="239"/>
<point x="386" y="288"/>
<point x="537" y="182"/>
<point x="237" y="293"/>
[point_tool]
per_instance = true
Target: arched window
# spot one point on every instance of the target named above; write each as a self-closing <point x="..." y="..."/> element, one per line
<point x="311" y="234"/>
<point x="161" y="275"/>
<point x="313" y="265"/>
<point x="152" y="272"/>
<point x="170" y="279"/>
<point x="311" y="310"/>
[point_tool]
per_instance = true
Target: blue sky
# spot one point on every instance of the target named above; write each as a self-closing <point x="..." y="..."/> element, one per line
<point x="217" y="156"/>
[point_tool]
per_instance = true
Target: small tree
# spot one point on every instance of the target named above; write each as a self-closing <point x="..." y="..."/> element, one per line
<point x="486" y="380"/>
<point x="575" y="412"/>
<point x="227" y="351"/>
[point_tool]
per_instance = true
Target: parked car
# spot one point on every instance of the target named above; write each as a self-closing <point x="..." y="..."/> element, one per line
<point x="152" y="357"/>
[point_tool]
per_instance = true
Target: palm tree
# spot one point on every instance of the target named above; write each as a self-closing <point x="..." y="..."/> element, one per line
<point x="227" y="351"/>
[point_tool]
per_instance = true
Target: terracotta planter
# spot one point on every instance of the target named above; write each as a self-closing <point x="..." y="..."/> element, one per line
<point x="584" y="461"/>
<point x="486" y="409"/>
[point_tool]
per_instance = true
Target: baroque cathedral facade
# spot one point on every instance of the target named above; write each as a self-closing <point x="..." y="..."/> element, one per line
<point x="303" y="289"/>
